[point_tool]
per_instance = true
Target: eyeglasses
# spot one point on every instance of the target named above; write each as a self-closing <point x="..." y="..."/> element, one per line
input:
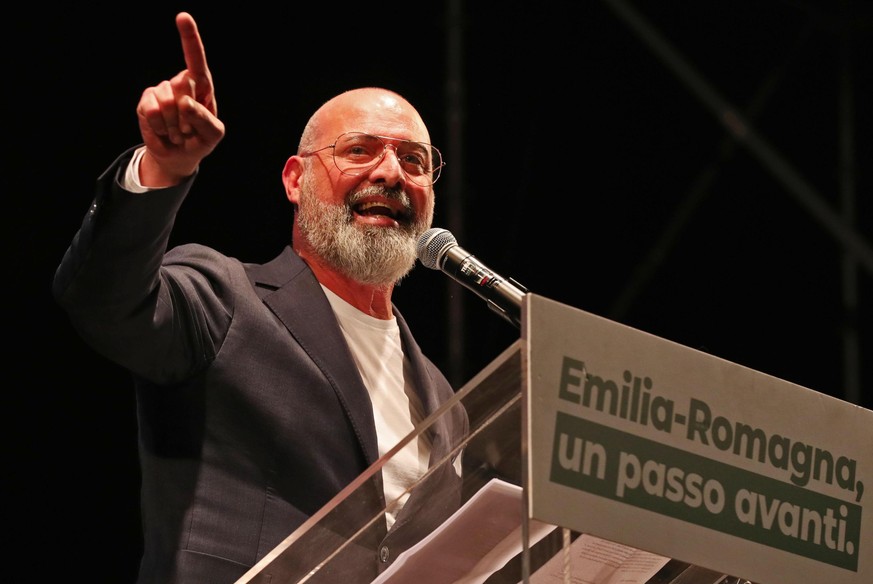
<point x="356" y="153"/>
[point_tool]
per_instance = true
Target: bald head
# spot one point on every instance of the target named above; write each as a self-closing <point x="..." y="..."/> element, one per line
<point x="372" y="110"/>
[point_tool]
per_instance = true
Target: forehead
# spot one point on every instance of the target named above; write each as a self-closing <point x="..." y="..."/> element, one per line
<point x="383" y="115"/>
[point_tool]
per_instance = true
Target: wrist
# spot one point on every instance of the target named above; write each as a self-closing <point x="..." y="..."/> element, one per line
<point x="154" y="175"/>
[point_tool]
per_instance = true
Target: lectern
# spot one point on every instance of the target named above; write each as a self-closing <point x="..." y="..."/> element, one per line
<point x="593" y="444"/>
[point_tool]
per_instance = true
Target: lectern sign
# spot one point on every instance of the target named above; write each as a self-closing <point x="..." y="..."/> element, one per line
<point x="646" y="442"/>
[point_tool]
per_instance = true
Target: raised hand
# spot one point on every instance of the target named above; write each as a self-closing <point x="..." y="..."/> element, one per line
<point x="178" y="118"/>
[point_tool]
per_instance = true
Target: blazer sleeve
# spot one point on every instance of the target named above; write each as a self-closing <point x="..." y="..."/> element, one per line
<point x="125" y="298"/>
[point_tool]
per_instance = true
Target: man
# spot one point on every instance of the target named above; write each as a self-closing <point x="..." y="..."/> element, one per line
<point x="265" y="390"/>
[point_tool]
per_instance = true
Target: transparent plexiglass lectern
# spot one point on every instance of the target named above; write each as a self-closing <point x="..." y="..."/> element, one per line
<point x="605" y="429"/>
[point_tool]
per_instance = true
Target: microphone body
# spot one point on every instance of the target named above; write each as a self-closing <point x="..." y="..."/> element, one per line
<point x="439" y="250"/>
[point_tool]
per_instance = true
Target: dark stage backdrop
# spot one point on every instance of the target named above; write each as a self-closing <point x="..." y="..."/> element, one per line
<point x="650" y="162"/>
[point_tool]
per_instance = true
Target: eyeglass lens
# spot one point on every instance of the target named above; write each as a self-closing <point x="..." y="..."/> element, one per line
<point x="356" y="153"/>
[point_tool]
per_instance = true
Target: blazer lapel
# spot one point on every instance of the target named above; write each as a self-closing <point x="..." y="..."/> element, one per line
<point x="425" y="388"/>
<point x="437" y="496"/>
<point x="290" y="290"/>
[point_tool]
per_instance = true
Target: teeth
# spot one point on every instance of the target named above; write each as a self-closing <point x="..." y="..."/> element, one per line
<point x="374" y="205"/>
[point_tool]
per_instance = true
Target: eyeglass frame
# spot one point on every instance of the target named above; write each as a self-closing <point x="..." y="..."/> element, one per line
<point x="436" y="169"/>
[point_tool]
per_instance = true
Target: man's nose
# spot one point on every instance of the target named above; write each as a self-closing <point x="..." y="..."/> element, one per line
<point x="388" y="169"/>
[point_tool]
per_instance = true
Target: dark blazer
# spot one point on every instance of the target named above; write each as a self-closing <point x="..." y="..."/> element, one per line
<point x="252" y="414"/>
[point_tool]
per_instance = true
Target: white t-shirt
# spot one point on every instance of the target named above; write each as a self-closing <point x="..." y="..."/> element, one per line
<point x="378" y="352"/>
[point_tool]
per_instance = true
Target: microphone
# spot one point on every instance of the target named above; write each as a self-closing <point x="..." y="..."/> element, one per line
<point x="439" y="250"/>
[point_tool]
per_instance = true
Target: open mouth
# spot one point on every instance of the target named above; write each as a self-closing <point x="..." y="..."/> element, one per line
<point x="377" y="208"/>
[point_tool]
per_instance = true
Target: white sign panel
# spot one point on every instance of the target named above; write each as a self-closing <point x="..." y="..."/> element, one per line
<point x="649" y="443"/>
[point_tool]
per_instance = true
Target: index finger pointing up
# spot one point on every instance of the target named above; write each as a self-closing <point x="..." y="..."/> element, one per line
<point x="195" y="58"/>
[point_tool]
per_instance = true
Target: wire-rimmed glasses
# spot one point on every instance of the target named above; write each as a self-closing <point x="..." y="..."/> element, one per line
<point x="356" y="153"/>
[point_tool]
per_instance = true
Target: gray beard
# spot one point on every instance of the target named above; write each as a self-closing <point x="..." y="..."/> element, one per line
<point x="372" y="255"/>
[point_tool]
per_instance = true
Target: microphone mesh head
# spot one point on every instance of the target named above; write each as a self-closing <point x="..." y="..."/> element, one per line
<point x="432" y="245"/>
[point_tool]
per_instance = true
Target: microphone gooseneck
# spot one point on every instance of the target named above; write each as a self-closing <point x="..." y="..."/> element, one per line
<point x="439" y="250"/>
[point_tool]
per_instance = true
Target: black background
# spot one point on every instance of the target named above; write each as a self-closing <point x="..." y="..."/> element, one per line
<point x="581" y="162"/>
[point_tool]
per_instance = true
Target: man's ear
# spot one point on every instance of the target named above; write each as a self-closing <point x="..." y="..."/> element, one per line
<point x="291" y="176"/>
